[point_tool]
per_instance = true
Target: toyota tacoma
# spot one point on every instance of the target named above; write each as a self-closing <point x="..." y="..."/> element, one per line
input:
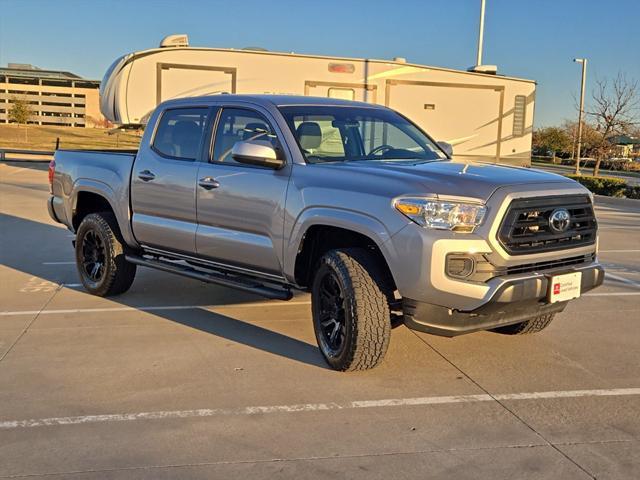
<point x="349" y="201"/>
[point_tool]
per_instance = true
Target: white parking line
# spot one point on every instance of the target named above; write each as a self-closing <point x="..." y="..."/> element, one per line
<point x="627" y="281"/>
<point x="153" y="308"/>
<point x="619" y="227"/>
<point x="618" y="251"/>
<point x="612" y="294"/>
<point x="312" y="407"/>
<point x="58" y="263"/>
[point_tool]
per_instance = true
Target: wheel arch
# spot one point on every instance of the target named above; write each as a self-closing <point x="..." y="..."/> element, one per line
<point x="89" y="196"/>
<point x="322" y="230"/>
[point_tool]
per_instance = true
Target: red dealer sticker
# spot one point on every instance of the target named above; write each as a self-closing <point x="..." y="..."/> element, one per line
<point x="564" y="287"/>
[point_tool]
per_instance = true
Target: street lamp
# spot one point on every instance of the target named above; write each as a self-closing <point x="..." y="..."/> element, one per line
<point x="479" y="67"/>
<point x="583" y="61"/>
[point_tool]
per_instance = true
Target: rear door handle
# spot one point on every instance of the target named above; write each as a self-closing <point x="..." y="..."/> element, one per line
<point x="146" y="175"/>
<point x="208" y="183"/>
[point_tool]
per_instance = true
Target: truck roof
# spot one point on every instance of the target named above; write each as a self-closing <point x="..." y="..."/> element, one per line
<point x="265" y="99"/>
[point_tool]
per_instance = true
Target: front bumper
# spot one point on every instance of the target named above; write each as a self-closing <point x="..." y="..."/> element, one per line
<point x="515" y="300"/>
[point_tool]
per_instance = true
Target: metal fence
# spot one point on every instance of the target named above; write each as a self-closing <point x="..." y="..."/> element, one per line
<point x="31" y="153"/>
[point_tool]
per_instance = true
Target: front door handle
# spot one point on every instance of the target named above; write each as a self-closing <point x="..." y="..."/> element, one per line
<point x="208" y="183"/>
<point x="146" y="175"/>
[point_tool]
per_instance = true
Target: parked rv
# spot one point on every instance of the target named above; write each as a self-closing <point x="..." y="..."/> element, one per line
<point x="485" y="117"/>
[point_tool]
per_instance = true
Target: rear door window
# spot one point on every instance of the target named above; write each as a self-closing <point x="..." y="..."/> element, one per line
<point x="179" y="133"/>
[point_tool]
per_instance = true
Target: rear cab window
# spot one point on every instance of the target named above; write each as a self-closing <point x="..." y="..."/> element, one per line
<point x="180" y="132"/>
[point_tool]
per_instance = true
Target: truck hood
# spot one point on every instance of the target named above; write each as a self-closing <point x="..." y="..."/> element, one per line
<point x="476" y="180"/>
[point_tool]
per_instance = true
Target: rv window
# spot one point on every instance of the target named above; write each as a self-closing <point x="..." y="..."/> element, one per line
<point x="240" y="125"/>
<point x="519" y="114"/>
<point x="179" y="133"/>
<point x="342" y="93"/>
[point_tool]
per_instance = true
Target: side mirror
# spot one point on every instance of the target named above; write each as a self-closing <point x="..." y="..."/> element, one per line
<point x="256" y="153"/>
<point x="447" y="147"/>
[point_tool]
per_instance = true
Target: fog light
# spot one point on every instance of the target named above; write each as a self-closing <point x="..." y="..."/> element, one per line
<point x="459" y="266"/>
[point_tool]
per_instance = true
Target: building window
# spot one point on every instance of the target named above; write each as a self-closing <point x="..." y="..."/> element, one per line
<point x="23" y="81"/>
<point x="86" y="85"/>
<point x="12" y="100"/>
<point x="57" y="83"/>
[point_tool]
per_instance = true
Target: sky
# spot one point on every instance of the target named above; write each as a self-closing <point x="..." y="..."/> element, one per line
<point x="534" y="39"/>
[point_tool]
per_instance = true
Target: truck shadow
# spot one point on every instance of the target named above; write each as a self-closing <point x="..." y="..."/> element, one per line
<point x="26" y="244"/>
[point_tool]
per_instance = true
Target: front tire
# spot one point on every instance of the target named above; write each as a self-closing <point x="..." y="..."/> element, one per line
<point x="533" y="325"/>
<point x="350" y="309"/>
<point x="100" y="259"/>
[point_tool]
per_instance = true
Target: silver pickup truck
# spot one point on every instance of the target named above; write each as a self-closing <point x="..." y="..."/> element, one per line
<point x="350" y="201"/>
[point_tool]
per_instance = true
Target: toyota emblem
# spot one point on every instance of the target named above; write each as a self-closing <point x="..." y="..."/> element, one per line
<point x="559" y="220"/>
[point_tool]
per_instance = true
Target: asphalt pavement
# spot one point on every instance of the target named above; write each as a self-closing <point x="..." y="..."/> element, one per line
<point x="178" y="379"/>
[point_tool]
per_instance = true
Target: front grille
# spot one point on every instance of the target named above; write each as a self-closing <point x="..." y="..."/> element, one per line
<point x="485" y="271"/>
<point x="553" y="264"/>
<point x="526" y="229"/>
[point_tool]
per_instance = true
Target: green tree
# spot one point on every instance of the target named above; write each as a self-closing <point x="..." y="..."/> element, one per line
<point x="21" y="112"/>
<point x="553" y="139"/>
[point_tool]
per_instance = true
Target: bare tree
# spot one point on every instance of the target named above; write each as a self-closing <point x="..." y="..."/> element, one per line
<point x="614" y="111"/>
<point x="590" y="137"/>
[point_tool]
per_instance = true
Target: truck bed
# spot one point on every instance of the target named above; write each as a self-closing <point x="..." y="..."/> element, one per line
<point x="106" y="171"/>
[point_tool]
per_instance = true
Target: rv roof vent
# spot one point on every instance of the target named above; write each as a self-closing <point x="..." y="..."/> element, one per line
<point x="400" y="59"/>
<point x="487" y="69"/>
<point x="256" y="49"/>
<point x="176" y="40"/>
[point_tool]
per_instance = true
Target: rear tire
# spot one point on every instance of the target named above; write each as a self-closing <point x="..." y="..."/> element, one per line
<point x="533" y="325"/>
<point x="100" y="256"/>
<point x="350" y="309"/>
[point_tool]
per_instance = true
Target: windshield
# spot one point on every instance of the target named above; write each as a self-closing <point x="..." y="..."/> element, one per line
<point x="347" y="134"/>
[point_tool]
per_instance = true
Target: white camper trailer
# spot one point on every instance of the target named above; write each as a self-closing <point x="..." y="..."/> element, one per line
<point x="485" y="117"/>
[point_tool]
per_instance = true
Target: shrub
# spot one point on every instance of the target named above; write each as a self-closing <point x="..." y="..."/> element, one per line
<point x="632" y="191"/>
<point x="611" y="187"/>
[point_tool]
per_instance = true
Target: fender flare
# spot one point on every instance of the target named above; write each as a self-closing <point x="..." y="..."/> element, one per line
<point x="102" y="189"/>
<point x="336" y="217"/>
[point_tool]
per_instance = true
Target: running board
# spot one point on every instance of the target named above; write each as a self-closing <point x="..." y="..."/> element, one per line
<point x="244" y="283"/>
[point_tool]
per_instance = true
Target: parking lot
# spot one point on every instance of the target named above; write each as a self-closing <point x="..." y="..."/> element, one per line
<point x="178" y="379"/>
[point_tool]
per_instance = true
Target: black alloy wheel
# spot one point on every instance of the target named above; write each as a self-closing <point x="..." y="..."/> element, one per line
<point x="94" y="254"/>
<point x="332" y="316"/>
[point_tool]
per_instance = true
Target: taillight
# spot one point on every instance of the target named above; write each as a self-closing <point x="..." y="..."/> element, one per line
<point x="52" y="171"/>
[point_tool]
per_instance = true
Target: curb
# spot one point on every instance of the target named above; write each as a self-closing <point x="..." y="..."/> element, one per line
<point x="604" y="200"/>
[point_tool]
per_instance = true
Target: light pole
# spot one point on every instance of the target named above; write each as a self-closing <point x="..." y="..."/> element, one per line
<point x="583" y="61"/>
<point x="480" y="33"/>
<point x="479" y="67"/>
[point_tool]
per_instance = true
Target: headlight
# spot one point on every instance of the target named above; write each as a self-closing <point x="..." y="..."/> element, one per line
<point x="440" y="214"/>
